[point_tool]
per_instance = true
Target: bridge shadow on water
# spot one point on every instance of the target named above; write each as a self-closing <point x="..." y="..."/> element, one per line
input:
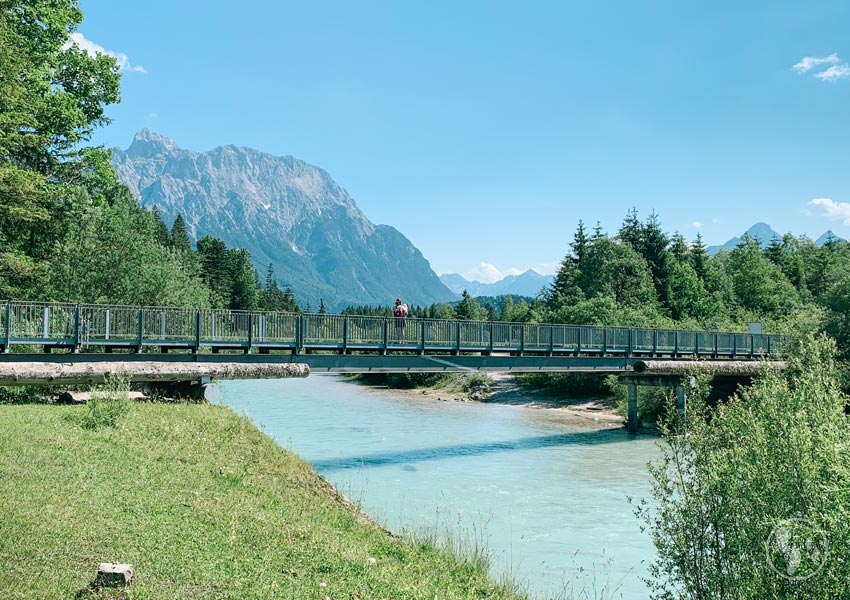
<point x="405" y="457"/>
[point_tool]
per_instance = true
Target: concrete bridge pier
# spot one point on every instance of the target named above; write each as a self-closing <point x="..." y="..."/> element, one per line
<point x="677" y="382"/>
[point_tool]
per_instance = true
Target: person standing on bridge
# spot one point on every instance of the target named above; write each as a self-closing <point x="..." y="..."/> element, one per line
<point x="400" y="312"/>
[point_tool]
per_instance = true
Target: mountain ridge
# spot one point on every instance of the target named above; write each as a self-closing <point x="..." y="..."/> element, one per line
<point x="528" y="283"/>
<point x="763" y="234"/>
<point x="286" y="212"/>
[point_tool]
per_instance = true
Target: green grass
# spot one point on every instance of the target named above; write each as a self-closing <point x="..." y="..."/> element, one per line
<point x="203" y="505"/>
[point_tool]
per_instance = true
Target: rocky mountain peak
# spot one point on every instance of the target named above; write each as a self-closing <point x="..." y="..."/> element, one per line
<point x="286" y="212"/>
<point x="147" y="144"/>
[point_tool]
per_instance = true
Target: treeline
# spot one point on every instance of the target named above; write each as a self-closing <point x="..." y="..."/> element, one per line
<point x="69" y="230"/>
<point x="484" y="308"/>
<point x="643" y="276"/>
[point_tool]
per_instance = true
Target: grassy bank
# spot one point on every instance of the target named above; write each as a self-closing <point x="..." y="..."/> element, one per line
<point x="203" y="505"/>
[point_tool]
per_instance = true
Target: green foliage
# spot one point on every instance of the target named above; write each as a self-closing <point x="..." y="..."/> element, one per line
<point x="179" y="237"/>
<point x="751" y="498"/>
<point x="108" y="405"/>
<point x="51" y="99"/>
<point x="476" y="383"/>
<point x="758" y="284"/>
<point x="566" y="385"/>
<point x="22" y="395"/>
<point x="110" y="254"/>
<point x="468" y="309"/>
<point x="406" y="381"/>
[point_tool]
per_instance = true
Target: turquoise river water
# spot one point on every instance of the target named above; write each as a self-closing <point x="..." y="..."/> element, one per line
<point x="545" y="496"/>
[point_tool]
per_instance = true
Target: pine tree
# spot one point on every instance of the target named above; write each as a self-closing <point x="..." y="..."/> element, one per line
<point x="774" y="251"/>
<point x="597" y="231"/>
<point x="699" y="257"/>
<point x="579" y="245"/>
<point x="160" y="228"/>
<point x="179" y="236"/>
<point x="215" y="270"/>
<point x="631" y="231"/>
<point x="244" y="294"/>
<point x="322" y="309"/>
<point x="654" y="250"/>
<point x="679" y="248"/>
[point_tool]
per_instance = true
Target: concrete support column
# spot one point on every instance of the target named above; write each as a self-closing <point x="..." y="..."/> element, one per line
<point x="633" y="408"/>
<point x="681" y="400"/>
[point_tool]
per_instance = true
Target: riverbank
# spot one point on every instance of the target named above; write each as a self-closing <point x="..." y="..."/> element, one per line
<point x="203" y="505"/>
<point x="586" y="412"/>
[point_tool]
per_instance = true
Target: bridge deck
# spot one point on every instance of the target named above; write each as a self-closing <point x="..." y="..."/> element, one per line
<point x="345" y="342"/>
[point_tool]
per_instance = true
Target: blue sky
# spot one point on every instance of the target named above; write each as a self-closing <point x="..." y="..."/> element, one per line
<point x="484" y="131"/>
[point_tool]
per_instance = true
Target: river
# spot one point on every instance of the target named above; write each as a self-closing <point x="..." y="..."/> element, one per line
<point x="546" y="497"/>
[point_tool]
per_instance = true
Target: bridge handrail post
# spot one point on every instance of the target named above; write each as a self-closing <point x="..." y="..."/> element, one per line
<point x="696" y="343"/>
<point x="7" y="326"/>
<point x="422" y="324"/>
<point x="768" y="344"/>
<point x="521" y="339"/>
<point x="385" y="334"/>
<point x="714" y="354"/>
<point x="604" y="341"/>
<point x="676" y="344"/>
<point x="141" y="329"/>
<point x="654" y="342"/>
<point x="345" y="334"/>
<point x="734" y="344"/>
<point x="579" y="331"/>
<point x="630" y="347"/>
<point x="752" y="345"/>
<point x="491" y="338"/>
<point x="250" y="333"/>
<point x="197" y="347"/>
<point x="299" y="334"/>
<point x="76" y="329"/>
<point x="551" y="340"/>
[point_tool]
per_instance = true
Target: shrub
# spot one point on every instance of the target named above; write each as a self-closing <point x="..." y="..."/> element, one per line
<point x="752" y="498"/>
<point x="108" y="405"/>
<point x="476" y="383"/>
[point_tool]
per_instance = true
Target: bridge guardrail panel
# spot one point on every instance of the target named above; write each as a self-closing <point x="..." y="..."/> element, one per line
<point x="169" y="324"/>
<point x="725" y="343"/>
<point x="322" y="330"/>
<point x="103" y="325"/>
<point x="617" y="339"/>
<point x="47" y="321"/>
<point x="365" y="331"/>
<point x="274" y="328"/>
<point x="642" y="340"/>
<point x="217" y="325"/>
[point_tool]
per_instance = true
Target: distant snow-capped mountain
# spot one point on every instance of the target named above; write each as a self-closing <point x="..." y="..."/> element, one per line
<point x="525" y="284"/>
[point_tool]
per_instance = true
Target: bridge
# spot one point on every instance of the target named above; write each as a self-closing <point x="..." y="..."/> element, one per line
<point x="32" y="332"/>
<point x="349" y="343"/>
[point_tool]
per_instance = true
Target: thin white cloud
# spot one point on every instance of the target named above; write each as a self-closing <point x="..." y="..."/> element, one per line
<point x="834" y="73"/>
<point x="810" y="62"/>
<point x="484" y="273"/>
<point x="513" y="271"/>
<point x="696" y="224"/>
<point x="832" y="210"/>
<point x="79" y="40"/>
<point x="152" y="115"/>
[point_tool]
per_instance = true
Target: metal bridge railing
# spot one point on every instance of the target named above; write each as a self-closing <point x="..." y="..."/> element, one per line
<point x="85" y="326"/>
